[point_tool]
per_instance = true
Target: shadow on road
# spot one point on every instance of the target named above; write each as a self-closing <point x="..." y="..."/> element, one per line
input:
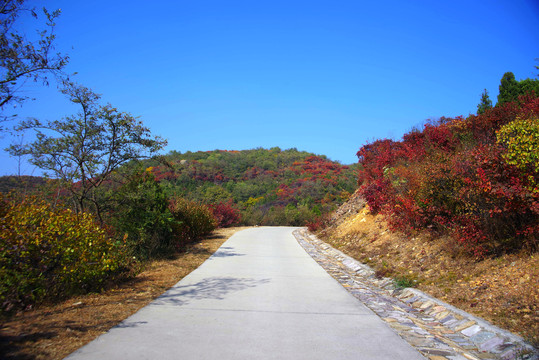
<point x="127" y="324"/>
<point x="225" y="251"/>
<point x="214" y="288"/>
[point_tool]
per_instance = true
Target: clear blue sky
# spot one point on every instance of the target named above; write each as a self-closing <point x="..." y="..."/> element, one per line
<point x="321" y="76"/>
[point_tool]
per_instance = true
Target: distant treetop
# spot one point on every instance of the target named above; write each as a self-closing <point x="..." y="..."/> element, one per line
<point x="511" y="89"/>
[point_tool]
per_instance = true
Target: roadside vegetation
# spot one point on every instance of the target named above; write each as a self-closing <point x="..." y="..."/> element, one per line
<point x="474" y="178"/>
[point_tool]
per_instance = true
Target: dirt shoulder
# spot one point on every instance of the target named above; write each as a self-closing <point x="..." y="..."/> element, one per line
<point x="55" y="331"/>
<point x="503" y="290"/>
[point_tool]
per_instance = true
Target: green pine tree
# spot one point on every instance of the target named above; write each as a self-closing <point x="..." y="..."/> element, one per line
<point x="509" y="88"/>
<point x="485" y="103"/>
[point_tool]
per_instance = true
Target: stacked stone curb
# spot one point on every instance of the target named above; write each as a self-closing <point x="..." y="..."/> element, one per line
<point x="437" y="330"/>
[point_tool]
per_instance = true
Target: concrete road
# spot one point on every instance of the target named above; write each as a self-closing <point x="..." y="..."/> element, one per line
<point x="260" y="296"/>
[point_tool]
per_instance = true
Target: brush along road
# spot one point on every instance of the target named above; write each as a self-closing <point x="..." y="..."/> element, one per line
<point x="260" y="296"/>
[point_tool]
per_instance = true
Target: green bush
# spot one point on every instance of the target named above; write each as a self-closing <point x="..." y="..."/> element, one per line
<point x="141" y="215"/>
<point x="193" y="220"/>
<point x="49" y="253"/>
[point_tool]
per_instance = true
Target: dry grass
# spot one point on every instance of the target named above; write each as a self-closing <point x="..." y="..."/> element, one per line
<point x="503" y="290"/>
<point x="54" y="331"/>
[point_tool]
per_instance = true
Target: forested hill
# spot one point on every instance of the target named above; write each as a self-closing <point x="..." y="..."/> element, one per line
<point x="21" y="184"/>
<point x="269" y="187"/>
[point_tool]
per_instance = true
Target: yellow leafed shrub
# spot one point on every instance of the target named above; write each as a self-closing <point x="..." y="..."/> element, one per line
<point x="521" y="140"/>
<point x="48" y="252"/>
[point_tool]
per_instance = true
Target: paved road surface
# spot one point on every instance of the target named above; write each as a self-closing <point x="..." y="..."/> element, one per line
<point x="260" y="296"/>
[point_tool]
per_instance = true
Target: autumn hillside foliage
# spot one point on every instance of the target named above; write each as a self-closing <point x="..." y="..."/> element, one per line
<point x="475" y="178"/>
<point x="258" y="186"/>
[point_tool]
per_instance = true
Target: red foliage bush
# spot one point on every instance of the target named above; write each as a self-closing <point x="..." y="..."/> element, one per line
<point x="318" y="223"/>
<point x="452" y="177"/>
<point x="377" y="156"/>
<point x="225" y="214"/>
<point x="440" y="137"/>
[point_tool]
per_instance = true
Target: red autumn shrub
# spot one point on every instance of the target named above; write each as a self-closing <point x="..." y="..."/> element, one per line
<point x="375" y="194"/>
<point x="318" y="223"/>
<point x="456" y="177"/>
<point x="225" y="214"/>
<point x="440" y="137"/>
<point x="375" y="157"/>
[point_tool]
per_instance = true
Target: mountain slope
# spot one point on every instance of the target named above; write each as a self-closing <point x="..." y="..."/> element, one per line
<point x="269" y="187"/>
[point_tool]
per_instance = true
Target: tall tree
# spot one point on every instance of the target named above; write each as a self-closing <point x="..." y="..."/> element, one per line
<point x="84" y="149"/>
<point x="22" y="59"/>
<point x="528" y="86"/>
<point x="509" y="88"/>
<point x="485" y="103"/>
